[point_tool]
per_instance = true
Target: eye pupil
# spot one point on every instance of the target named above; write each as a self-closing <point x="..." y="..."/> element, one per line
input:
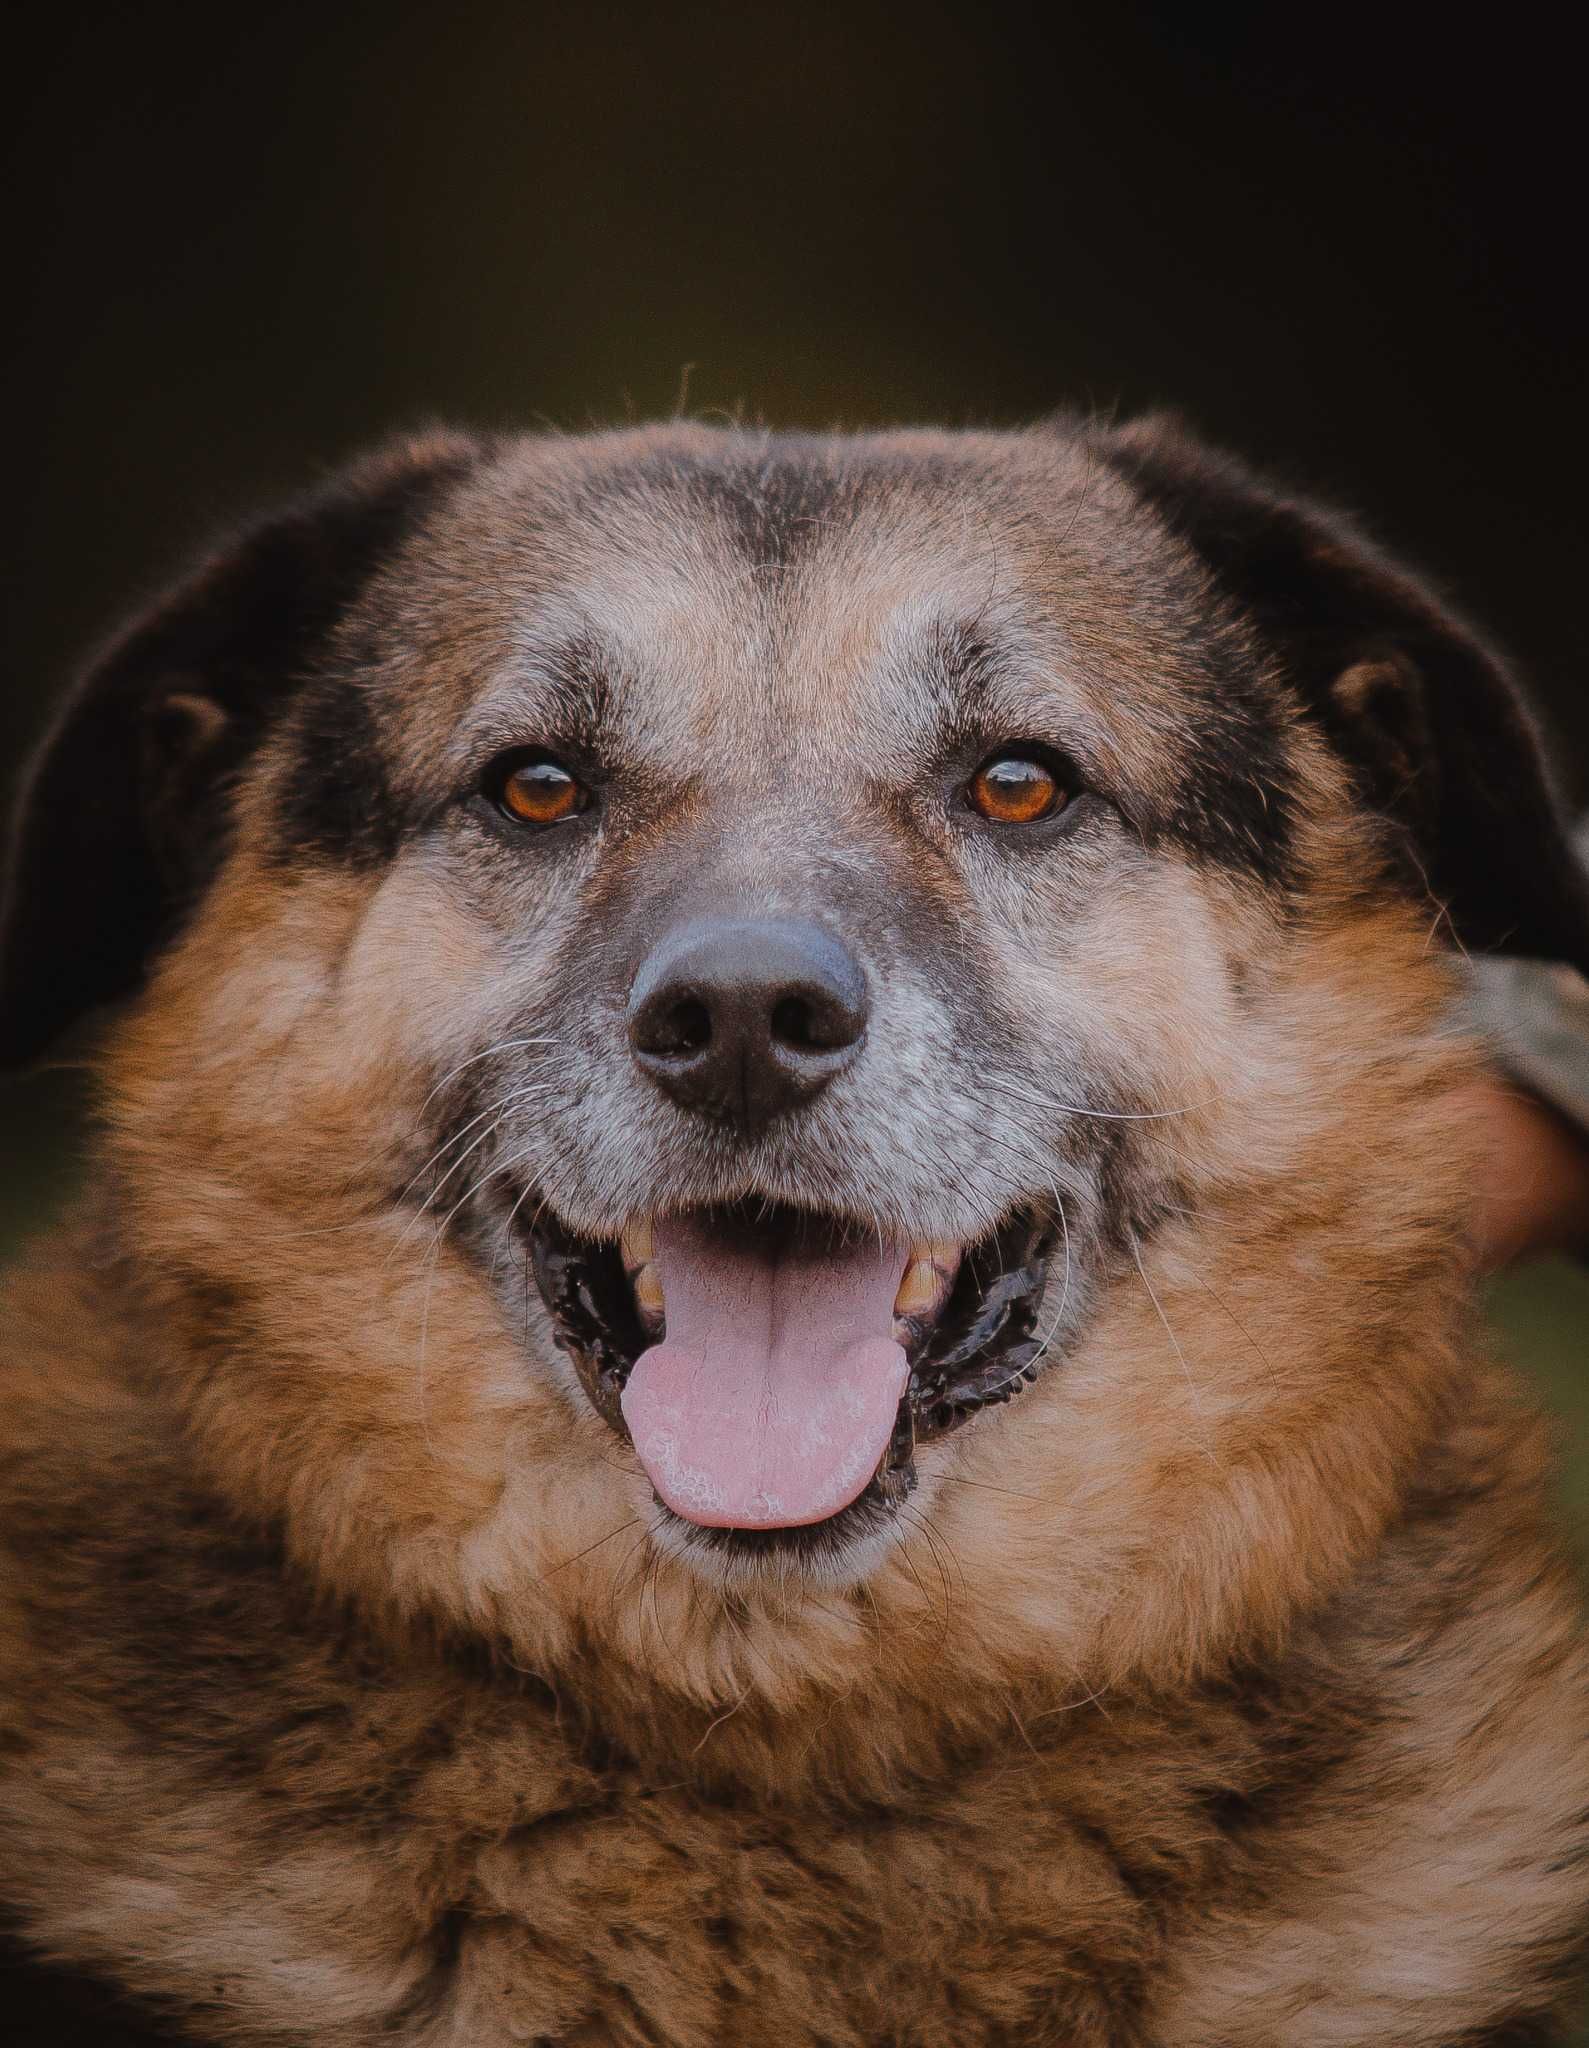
<point x="1015" y="789"/>
<point x="541" y="793"/>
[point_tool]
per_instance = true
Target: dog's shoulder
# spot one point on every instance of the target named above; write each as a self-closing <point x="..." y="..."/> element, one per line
<point x="1409" y="1848"/>
<point x="182" y="1709"/>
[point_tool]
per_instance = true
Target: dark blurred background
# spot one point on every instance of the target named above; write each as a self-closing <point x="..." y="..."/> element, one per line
<point x="241" y="243"/>
<point x="244" y="241"/>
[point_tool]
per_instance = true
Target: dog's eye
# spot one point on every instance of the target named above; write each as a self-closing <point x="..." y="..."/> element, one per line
<point x="536" y="790"/>
<point x="1015" y="789"/>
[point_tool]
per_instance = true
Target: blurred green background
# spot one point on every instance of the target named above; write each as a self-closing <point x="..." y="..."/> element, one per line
<point x="242" y="243"/>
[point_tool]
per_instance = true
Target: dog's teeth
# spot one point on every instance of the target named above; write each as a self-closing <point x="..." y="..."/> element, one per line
<point x="925" y="1287"/>
<point x="919" y="1290"/>
<point x="926" y="1282"/>
<point x="638" y="1245"/>
<point x="647" y="1284"/>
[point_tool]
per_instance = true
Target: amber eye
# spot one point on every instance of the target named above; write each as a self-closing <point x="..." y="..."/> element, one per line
<point x="1015" y="789"/>
<point x="540" y="793"/>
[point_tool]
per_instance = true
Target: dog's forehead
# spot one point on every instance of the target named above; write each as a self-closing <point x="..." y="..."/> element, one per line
<point x="753" y="599"/>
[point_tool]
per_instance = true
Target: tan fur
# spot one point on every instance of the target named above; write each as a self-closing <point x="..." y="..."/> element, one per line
<point x="1224" y="1689"/>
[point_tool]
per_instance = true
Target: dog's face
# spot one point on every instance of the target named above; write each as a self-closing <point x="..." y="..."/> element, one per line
<point x="712" y="988"/>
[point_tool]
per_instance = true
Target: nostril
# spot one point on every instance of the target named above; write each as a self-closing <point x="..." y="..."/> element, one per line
<point x="808" y="1021"/>
<point x="794" y="1025"/>
<point x="678" y="1030"/>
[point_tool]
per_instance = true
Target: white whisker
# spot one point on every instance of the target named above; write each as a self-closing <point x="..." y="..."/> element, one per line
<point x="502" y="1045"/>
<point x="1118" y="1116"/>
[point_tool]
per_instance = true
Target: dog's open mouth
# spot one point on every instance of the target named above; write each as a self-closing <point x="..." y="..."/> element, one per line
<point x="775" y="1368"/>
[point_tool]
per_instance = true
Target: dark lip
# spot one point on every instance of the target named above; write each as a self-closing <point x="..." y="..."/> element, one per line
<point x="980" y="1350"/>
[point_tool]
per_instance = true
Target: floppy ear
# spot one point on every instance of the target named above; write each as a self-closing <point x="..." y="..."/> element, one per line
<point x="1429" y="718"/>
<point x="124" y="813"/>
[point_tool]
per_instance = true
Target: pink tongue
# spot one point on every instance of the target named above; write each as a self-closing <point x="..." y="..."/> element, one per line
<point x="771" y="1400"/>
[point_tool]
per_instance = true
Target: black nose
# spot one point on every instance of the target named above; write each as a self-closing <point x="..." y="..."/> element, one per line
<point x="745" y="1017"/>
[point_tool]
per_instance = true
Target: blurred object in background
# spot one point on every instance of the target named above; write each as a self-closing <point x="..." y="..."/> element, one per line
<point x="1534" y="1196"/>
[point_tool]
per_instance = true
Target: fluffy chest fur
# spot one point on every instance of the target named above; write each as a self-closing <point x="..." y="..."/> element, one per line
<point x="297" y="1829"/>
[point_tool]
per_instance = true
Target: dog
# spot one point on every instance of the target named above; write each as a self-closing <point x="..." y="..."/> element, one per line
<point x="770" y="1336"/>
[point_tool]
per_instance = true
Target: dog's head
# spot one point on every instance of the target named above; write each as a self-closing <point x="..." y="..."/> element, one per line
<point x="824" y="1004"/>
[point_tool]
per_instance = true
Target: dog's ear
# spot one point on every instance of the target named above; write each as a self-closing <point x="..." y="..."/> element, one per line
<point x="1428" y="718"/>
<point x="124" y="812"/>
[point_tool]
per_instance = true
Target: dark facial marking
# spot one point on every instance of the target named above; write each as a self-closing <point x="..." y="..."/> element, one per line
<point x="774" y="503"/>
<point x="334" y="797"/>
<point x="1236" y="805"/>
<point x="1235" y="801"/>
<point x="335" y="801"/>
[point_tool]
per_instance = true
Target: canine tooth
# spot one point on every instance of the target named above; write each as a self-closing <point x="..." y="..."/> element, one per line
<point x="647" y="1284"/>
<point x="638" y="1245"/>
<point x="920" y="1290"/>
